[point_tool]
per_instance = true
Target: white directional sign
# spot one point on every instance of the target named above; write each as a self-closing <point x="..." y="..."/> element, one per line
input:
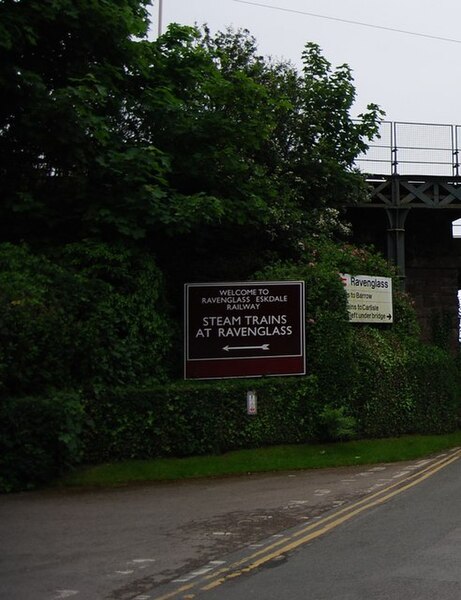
<point x="369" y="298"/>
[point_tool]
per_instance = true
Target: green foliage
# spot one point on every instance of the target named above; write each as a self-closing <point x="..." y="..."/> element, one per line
<point x="190" y="141"/>
<point x="35" y="329"/>
<point x="126" y="332"/>
<point x="274" y="147"/>
<point x="405" y="318"/>
<point x="40" y="438"/>
<point x="95" y="317"/>
<point x="442" y="329"/>
<point x="363" y="381"/>
<point x="336" y="425"/>
<point x="329" y="335"/>
<point x="182" y="419"/>
<point x="398" y="390"/>
<point x="219" y="163"/>
<point x="435" y="382"/>
<point x="404" y="386"/>
<point x="379" y="375"/>
<point x="71" y="161"/>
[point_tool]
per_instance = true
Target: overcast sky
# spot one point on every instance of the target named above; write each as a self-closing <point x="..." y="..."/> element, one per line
<point x="413" y="78"/>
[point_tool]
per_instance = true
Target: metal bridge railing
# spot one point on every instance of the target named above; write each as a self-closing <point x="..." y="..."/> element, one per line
<point x="413" y="149"/>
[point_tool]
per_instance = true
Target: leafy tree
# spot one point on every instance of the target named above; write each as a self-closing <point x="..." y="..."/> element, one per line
<point x="193" y="141"/>
<point x="276" y="148"/>
<point x="74" y="159"/>
<point x="310" y="151"/>
<point x="191" y="145"/>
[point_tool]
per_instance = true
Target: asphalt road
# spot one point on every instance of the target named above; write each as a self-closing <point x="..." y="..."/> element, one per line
<point x="161" y="540"/>
<point x="408" y="548"/>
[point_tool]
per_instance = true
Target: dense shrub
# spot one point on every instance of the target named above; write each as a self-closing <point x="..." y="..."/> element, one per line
<point x="404" y="386"/>
<point x="434" y="377"/>
<point x="335" y="424"/>
<point x="188" y="418"/>
<point x="92" y="318"/>
<point x="329" y="335"/>
<point x="125" y="331"/>
<point x="40" y="438"/>
<point x="86" y="315"/>
<point x="397" y="387"/>
<point x="382" y="376"/>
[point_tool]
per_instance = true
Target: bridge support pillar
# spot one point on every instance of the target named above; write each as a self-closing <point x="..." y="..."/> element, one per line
<point x="396" y="240"/>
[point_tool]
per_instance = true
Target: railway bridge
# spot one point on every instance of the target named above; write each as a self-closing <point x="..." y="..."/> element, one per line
<point x="414" y="174"/>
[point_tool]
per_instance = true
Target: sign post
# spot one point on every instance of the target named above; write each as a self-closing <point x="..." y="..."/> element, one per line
<point x="244" y="329"/>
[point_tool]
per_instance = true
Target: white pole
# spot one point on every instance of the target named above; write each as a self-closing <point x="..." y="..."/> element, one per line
<point x="160" y="13"/>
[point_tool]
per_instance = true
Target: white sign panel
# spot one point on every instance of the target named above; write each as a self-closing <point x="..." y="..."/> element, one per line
<point x="369" y="298"/>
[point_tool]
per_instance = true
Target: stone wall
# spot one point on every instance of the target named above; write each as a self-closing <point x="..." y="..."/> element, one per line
<point x="433" y="267"/>
<point x="432" y="260"/>
<point x="434" y="289"/>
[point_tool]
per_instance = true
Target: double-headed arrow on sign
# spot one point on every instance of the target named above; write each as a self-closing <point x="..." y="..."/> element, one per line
<point x="262" y="347"/>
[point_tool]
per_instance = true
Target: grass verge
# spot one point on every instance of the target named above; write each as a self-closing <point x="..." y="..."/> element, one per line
<point x="276" y="458"/>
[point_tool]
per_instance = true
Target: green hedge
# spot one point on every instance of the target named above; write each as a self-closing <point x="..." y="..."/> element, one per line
<point x="199" y="417"/>
<point x="88" y="315"/>
<point x="40" y="438"/>
<point x="406" y="387"/>
<point x="403" y="386"/>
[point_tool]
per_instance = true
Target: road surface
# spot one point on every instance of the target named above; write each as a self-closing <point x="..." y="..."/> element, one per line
<point x="408" y="548"/>
<point x="174" y="539"/>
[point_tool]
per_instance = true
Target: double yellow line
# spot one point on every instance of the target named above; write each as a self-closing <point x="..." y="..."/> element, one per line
<point x="307" y="534"/>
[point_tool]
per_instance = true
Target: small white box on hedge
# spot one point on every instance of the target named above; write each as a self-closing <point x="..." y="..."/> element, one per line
<point x="252" y="402"/>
